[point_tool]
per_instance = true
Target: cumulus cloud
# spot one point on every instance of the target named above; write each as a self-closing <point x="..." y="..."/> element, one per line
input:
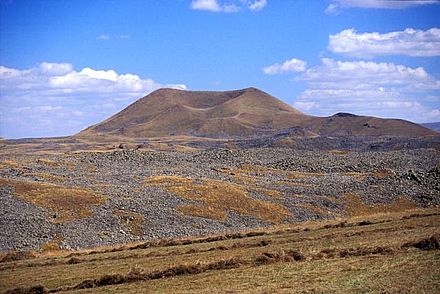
<point x="369" y="88"/>
<point x="359" y="74"/>
<point x="336" y="5"/>
<point x="54" y="99"/>
<point x="228" y="7"/>
<point x="292" y="65"/>
<point x="408" y="42"/>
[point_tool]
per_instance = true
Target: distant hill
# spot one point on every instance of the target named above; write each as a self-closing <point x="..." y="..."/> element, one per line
<point x="241" y="113"/>
<point x="168" y="112"/>
<point x="433" y="126"/>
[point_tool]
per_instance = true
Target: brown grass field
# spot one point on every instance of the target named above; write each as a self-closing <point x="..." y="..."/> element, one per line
<point x="394" y="252"/>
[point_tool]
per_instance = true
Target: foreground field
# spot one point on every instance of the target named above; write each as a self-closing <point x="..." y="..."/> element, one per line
<point x="386" y="253"/>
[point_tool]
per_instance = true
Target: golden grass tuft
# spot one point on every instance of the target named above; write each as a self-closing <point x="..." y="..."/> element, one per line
<point x="356" y="175"/>
<point x="355" y="206"/>
<point x="183" y="148"/>
<point x="219" y="197"/>
<point x="250" y="182"/>
<point x="48" y="162"/>
<point x="53" y="245"/>
<point x="8" y="164"/>
<point x="383" y="173"/>
<point x="287" y="142"/>
<point x="271" y="193"/>
<point x="131" y="220"/>
<point x="64" y="203"/>
<point x="244" y="179"/>
<point x="303" y="175"/>
<point x="46" y="176"/>
<point x="339" y="152"/>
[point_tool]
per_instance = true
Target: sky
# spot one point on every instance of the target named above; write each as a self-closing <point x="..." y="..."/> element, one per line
<point x="67" y="64"/>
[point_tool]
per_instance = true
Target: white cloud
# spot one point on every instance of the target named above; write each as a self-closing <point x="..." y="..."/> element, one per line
<point x="209" y="5"/>
<point x="46" y="95"/>
<point x="48" y="108"/>
<point x="55" y="68"/>
<point x="362" y="74"/>
<point x="228" y="7"/>
<point x="257" y="5"/>
<point x="336" y="5"/>
<point x="368" y="88"/>
<point x="103" y="37"/>
<point x="292" y="65"/>
<point x="408" y="42"/>
<point x="106" y="37"/>
<point x="332" y="9"/>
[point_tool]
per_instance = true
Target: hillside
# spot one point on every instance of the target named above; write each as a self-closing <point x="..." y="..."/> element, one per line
<point x="346" y="124"/>
<point x="168" y="112"/>
<point x="241" y="113"/>
<point x="433" y="126"/>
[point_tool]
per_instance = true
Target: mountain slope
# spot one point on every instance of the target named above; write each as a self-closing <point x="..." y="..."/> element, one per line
<point x="346" y="124"/>
<point x="168" y="112"/>
<point x="433" y="126"/>
<point x="241" y="113"/>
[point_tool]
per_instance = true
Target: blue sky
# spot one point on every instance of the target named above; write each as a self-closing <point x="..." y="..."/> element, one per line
<point x="68" y="64"/>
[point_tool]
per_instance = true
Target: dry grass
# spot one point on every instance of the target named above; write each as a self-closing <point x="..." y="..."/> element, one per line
<point x="380" y="254"/>
<point x="303" y="175"/>
<point x="316" y="209"/>
<point x="245" y="179"/>
<point x="254" y="177"/>
<point x="15" y="255"/>
<point x="64" y="203"/>
<point x="8" y="164"/>
<point x="49" y="162"/>
<point x="46" y="176"/>
<point x="356" y="175"/>
<point x="52" y="246"/>
<point x="131" y="220"/>
<point x="248" y="176"/>
<point x="220" y="197"/>
<point x="287" y="142"/>
<point x="339" y="152"/>
<point x="383" y="173"/>
<point x="183" y="148"/>
<point x="355" y="206"/>
<point x="296" y="184"/>
<point x="159" y="146"/>
<point x="271" y="193"/>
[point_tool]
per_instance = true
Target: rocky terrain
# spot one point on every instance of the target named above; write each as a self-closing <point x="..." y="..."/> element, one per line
<point x="77" y="200"/>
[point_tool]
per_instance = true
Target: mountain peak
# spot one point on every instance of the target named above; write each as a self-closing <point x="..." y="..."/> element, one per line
<point x="166" y="111"/>
<point x="344" y="114"/>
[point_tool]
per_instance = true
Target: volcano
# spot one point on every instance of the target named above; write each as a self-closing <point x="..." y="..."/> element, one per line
<point x="241" y="113"/>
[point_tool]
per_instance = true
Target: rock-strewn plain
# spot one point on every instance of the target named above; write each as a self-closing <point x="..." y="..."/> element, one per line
<point x="87" y="199"/>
